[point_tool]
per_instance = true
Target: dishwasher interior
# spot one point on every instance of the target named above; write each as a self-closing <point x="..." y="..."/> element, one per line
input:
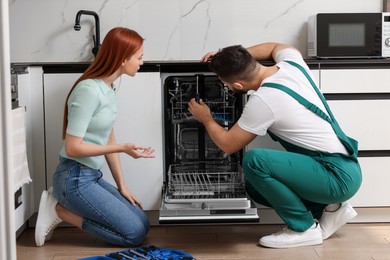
<point x="201" y="182"/>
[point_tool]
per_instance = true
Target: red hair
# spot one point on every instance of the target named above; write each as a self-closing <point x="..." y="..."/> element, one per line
<point x="118" y="45"/>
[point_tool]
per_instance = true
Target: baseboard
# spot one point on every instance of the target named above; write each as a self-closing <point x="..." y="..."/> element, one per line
<point x="269" y="216"/>
<point x="376" y="215"/>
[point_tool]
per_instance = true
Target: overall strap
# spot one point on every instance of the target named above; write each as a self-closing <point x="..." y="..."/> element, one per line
<point x="349" y="143"/>
<point x="313" y="84"/>
<point x="303" y="101"/>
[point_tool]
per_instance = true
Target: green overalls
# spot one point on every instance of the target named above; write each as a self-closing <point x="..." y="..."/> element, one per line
<point x="299" y="183"/>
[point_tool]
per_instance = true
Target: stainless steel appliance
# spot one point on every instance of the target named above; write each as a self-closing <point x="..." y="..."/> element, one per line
<point x="349" y="35"/>
<point x="201" y="182"/>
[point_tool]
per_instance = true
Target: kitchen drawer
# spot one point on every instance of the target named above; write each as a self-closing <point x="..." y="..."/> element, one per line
<point x="355" y="81"/>
<point x="374" y="191"/>
<point x="364" y="120"/>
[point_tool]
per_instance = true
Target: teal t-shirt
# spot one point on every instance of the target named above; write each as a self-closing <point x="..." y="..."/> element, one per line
<point x="91" y="115"/>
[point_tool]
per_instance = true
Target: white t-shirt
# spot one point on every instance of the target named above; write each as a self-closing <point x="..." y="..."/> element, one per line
<point x="274" y="110"/>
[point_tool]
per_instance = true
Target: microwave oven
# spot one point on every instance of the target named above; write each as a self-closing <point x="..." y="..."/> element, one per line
<point x="349" y="35"/>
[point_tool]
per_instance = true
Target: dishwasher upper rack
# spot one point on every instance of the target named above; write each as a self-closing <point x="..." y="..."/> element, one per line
<point x="187" y="145"/>
<point x="208" y="179"/>
<point x="218" y="98"/>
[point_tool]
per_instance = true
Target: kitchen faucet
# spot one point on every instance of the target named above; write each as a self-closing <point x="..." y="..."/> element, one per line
<point x="96" y="37"/>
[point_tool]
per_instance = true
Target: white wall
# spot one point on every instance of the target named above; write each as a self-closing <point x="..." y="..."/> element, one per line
<point x="42" y="30"/>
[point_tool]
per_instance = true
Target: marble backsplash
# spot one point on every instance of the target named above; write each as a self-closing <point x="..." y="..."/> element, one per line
<point x="42" y="30"/>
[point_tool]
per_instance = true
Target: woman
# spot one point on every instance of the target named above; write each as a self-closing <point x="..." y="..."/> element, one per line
<point x="81" y="196"/>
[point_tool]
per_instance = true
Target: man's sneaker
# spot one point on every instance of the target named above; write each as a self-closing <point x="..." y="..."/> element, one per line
<point x="288" y="238"/>
<point x="331" y="221"/>
<point x="47" y="219"/>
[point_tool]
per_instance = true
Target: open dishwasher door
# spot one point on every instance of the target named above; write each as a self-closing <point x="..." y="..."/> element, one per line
<point x="212" y="191"/>
<point x="202" y="184"/>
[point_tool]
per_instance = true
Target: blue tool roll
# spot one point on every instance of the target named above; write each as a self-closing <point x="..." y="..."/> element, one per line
<point x="144" y="253"/>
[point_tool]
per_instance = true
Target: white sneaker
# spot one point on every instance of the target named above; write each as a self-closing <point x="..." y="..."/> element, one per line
<point x="47" y="219"/>
<point x="288" y="238"/>
<point x="331" y="221"/>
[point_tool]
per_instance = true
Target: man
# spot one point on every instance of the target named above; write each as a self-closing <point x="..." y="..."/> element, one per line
<point x="318" y="172"/>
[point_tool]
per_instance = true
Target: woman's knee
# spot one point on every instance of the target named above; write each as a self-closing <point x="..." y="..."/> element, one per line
<point x="137" y="236"/>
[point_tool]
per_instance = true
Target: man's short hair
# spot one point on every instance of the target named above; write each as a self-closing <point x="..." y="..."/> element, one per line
<point x="233" y="63"/>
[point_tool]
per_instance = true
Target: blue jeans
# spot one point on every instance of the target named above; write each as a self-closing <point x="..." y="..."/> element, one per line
<point x="106" y="213"/>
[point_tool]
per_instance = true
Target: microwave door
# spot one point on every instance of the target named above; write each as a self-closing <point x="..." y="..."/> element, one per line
<point x="349" y="35"/>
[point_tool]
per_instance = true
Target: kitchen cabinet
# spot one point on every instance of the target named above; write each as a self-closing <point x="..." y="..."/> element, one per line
<point x="55" y="90"/>
<point x="359" y="99"/>
<point x="139" y="121"/>
<point x="26" y="82"/>
<point x="365" y="121"/>
<point x="344" y="81"/>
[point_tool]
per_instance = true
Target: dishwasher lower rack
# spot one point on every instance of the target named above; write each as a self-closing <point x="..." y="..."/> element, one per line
<point x="211" y="191"/>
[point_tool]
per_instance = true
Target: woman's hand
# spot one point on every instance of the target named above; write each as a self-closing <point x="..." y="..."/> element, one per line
<point x="137" y="151"/>
<point x="130" y="197"/>
<point x="208" y="56"/>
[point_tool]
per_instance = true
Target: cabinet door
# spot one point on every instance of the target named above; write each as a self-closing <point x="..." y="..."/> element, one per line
<point x="364" y="117"/>
<point x="30" y="97"/>
<point x="365" y="121"/>
<point x="316" y="75"/>
<point x="139" y="121"/>
<point x="56" y="89"/>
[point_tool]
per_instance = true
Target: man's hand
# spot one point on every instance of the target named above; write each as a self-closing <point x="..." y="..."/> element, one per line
<point x="200" y="110"/>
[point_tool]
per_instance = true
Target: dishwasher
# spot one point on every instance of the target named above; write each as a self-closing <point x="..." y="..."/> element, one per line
<point x="202" y="184"/>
